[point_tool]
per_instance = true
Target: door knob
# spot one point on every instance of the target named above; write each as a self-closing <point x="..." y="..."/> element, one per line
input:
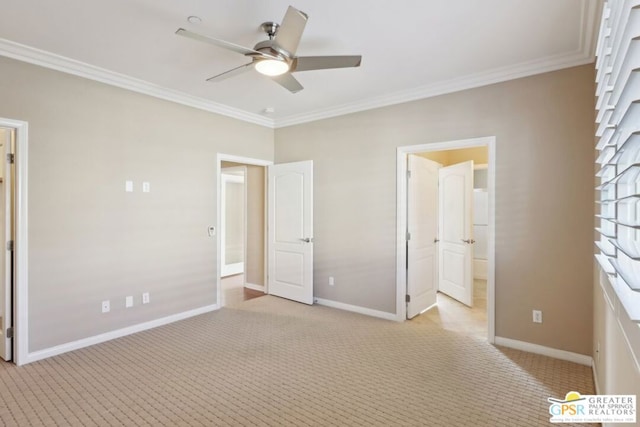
<point x="469" y="241"/>
<point x="436" y="240"/>
<point x="307" y="239"/>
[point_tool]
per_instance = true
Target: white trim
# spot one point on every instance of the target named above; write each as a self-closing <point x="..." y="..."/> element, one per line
<point x="71" y="66"/>
<point x="569" y="356"/>
<point x="220" y="157"/>
<point x="118" y="333"/>
<point x="595" y="377"/>
<point x="21" y="281"/>
<point x="355" y="309"/>
<point x="401" y="221"/>
<point x="254" y="287"/>
<point x="583" y="55"/>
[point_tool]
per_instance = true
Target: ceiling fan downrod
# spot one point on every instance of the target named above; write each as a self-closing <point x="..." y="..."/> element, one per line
<point x="271" y="28"/>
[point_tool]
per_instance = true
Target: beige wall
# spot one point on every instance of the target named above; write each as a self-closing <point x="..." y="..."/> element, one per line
<point x="254" y="267"/>
<point x="88" y="239"/>
<point x="544" y="197"/>
<point x="479" y="155"/>
<point x="234" y="223"/>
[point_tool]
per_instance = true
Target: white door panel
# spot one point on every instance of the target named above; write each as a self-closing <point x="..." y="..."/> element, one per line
<point x="422" y="225"/>
<point x="291" y="231"/>
<point x="456" y="231"/>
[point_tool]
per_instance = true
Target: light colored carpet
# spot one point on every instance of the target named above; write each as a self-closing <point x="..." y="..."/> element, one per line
<point x="269" y="361"/>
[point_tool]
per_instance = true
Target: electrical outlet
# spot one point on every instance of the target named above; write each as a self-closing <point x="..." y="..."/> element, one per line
<point x="331" y="281"/>
<point x="106" y="306"/>
<point x="537" y="316"/>
<point x="128" y="302"/>
<point x="145" y="298"/>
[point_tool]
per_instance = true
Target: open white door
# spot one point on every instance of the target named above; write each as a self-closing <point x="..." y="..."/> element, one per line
<point x="422" y="227"/>
<point x="455" y="231"/>
<point x="6" y="233"/>
<point x="290" y="233"/>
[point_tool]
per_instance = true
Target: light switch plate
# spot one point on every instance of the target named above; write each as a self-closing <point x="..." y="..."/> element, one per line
<point x="128" y="186"/>
<point x="146" y="187"/>
<point x="128" y="301"/>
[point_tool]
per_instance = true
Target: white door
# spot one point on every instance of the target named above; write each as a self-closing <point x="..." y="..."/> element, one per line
<point x="291" y="231"/>
<point x="455" y="231"/>
<point x="6" y="233"/>
<point x="422" y="227"/>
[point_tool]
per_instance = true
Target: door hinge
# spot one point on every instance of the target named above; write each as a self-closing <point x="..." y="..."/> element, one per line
<point x="408" y="298"/>
<point x="10" y="245"/>
<point x="408" y="174"/>
<point x="11" y="158"/>
<point x="10" y="332"/>
<point x="408" y="236"/>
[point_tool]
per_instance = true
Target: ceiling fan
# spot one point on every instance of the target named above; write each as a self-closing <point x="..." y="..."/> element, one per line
<point x="276" y="57"/>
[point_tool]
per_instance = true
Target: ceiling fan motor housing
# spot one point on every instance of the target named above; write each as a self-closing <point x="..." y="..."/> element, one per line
<point x="269" y="48"/>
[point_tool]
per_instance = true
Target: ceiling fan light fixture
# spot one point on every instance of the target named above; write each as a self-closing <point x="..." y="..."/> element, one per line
<point x="272" y="67"/>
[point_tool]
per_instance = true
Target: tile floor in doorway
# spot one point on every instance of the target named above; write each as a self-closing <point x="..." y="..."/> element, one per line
<point x="455" y="316"/>
<point x="234" y="292"/>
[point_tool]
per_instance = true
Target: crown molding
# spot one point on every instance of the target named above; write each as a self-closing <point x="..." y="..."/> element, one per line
<point x="442" y="88"/>
<point x="71" y="66"/>
<point x="585" y="54"/>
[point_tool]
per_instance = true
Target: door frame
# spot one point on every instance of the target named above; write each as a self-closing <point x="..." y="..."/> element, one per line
<point x="401" y="221"/>
<point x="221" y="157"/>
<point x="21" y="242"/>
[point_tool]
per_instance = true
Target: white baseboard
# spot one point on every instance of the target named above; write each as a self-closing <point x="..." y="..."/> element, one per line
<point x="355" y="309"/>
<point x="254" y="287"/>
<point x="107" y="336"/>
<point x="581" y="359"/>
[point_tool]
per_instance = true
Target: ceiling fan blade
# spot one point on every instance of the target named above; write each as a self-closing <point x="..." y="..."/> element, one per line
<point x="288" y="82"/>
<point x="308" y="63"/>
<point x="289" y="34"/>
<point x="221" y="43"/>
<point x="232" y="72"/>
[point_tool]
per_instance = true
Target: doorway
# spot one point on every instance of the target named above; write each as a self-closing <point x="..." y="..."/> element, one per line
<point x="242" y="230"/>
<point x="14" y="240"/>
<point x="464" y="282"/>
<point x="7" y="192"/>
<point x="233" y="219"/>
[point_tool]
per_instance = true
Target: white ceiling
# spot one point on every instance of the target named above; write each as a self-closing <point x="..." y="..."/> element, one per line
<point x="411" y="48"/>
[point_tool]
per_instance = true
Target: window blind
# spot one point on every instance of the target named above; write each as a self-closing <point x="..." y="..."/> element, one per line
<point x="618" y="144"/>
